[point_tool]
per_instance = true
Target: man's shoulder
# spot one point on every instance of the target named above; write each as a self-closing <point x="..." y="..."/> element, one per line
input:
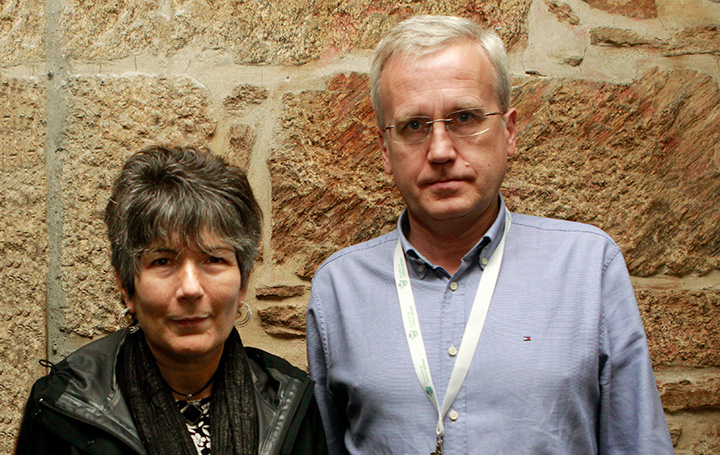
<point x="375" y="249"/>
<point x="536" y="225"/>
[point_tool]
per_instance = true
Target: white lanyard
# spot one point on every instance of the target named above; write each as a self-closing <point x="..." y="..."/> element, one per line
<point x="470" y="338"/>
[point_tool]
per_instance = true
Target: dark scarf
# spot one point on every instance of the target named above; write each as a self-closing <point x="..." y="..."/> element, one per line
<point x="163" y="431"/>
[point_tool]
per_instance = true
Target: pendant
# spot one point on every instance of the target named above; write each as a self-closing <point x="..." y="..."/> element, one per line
<point x="191" y="411"/>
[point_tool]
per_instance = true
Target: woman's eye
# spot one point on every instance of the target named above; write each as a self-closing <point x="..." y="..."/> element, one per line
<point x="160" y="262"/>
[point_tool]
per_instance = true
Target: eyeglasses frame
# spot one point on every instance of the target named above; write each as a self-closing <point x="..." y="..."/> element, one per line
<point x="446" y="121"/>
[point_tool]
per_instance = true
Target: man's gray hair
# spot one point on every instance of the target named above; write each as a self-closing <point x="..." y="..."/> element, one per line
<point x="422" y="35"/>
<point x="176" y="196"/>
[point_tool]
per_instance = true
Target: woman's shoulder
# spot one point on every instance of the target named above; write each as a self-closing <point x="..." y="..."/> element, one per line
<point x="92" y="364"/>
<point x="272" y="363"/>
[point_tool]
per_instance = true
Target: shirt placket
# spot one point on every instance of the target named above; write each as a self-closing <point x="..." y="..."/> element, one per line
<point x="454" y="313"/>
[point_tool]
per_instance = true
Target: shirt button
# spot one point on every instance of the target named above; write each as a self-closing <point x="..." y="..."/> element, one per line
<point x="453" y="415"/>
<point x="453" y="286"/>
<point x="484" y="261"/>
<point x="452" y="351"/>
<point x="421" y="268"/>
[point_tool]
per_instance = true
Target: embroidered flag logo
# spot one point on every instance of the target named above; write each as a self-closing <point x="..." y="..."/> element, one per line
<point x="526" y="338"/>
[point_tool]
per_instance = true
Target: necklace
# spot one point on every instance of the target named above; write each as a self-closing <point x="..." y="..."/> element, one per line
<point x="191" y="409"/>
<point x="188" y="396"/>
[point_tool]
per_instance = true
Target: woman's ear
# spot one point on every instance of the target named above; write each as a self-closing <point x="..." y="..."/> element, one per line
<point x="124" y="293"/>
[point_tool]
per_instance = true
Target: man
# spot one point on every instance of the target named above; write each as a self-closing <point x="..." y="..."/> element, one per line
<point x="468" y="329"/>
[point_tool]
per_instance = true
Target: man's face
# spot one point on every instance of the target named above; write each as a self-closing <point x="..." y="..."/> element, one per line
<point x="445" y="177"/>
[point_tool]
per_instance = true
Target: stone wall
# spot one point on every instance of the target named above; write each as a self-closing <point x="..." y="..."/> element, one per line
<point x="619" y="120"/>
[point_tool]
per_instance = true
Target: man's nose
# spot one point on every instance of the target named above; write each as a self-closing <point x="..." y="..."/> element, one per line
<point x="441" y="148"/>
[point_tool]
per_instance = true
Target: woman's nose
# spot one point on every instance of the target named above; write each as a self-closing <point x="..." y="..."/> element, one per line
<point x="190" y="281"/>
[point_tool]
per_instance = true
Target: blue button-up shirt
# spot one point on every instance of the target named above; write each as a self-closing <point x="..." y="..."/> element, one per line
<point x="562" y="364"/>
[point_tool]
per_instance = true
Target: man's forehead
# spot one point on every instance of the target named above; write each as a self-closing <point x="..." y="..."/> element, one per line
<point x="445" y="80"/>
<point x="405" y="57"/>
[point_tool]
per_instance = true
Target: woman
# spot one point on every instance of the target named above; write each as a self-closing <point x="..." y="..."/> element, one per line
<point x="184" y="229"/>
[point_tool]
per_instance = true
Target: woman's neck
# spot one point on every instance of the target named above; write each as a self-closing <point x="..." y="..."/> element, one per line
<point x="189" y="379"/>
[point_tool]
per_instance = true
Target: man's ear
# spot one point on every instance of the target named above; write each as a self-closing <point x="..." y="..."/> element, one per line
<point x="124" y="293"/>
<point x="511" y="131"/>
<point x="385" y="152"/>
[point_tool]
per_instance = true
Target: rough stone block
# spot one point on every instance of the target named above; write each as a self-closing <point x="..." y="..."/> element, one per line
<point x="23" y="248"/>
<point x="641" y="161"/>
<point x="108" y="119"/>
<point x="562" y="11"/>
<point x="284" y="321"/>
<point x="243" y="96"/>
<point x="22" y="32"/>
<point x="699" y="432"/>
<point x="328" y="185"/>
<point x="241" y="139"/>
<point x="675" y="433"/>
<point x="22" y="125"/>
<point x="94" y="31"/>
<point x="683" y="327"/>
<point x="619" y="37"/>
<point x="260" y="32"/>
<point x="640" y="9"/>
<point x="694" y="391"/>
<point x="281" y="291"/>
<point x="704" y="39"/>
<point x="643" y="164"/>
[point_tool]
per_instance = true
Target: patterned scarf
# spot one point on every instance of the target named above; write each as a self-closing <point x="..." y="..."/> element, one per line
<point x="162" y="428"/>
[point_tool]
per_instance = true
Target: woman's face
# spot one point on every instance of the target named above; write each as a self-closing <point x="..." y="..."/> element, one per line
<point x="186" y="299"/>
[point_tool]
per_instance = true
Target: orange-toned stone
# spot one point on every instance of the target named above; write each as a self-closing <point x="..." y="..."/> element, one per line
<point x="683" y="327"/>
<point x="329" y="188"/>
<point x="641" y="161"/>
<point x="281" y="291"/>
<point x="285" y="321"/>
<point x="641" y="9"/>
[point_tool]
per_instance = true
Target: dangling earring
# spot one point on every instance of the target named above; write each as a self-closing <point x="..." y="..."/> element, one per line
<point x="130" y="323"/>
<point x="243" y="320"/>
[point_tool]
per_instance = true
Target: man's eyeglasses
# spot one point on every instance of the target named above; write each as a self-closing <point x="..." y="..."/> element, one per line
<point x="464" y="123"/>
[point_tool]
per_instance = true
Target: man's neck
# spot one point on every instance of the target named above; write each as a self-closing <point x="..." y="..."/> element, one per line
<point x="445" y="243"/>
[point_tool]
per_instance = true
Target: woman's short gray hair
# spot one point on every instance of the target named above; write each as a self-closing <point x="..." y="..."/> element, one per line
<point x="422" y="35"/>
<point x="179" y="195"/>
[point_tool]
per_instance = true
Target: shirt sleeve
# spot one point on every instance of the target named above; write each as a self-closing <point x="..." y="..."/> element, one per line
<point x="334" y="420"/>
<point x="631" y="415"/>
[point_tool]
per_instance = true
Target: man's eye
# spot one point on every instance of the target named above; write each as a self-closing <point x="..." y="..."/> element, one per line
<point x="466" y="117"/>
<point x="216" y="260"/>
<point x="412" y="125"/>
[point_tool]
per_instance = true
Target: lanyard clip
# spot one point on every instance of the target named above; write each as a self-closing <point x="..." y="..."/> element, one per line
<point x="438" y="447"/>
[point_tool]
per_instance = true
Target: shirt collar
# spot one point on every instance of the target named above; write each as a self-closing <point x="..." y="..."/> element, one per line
<point x="478" y="254"/>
